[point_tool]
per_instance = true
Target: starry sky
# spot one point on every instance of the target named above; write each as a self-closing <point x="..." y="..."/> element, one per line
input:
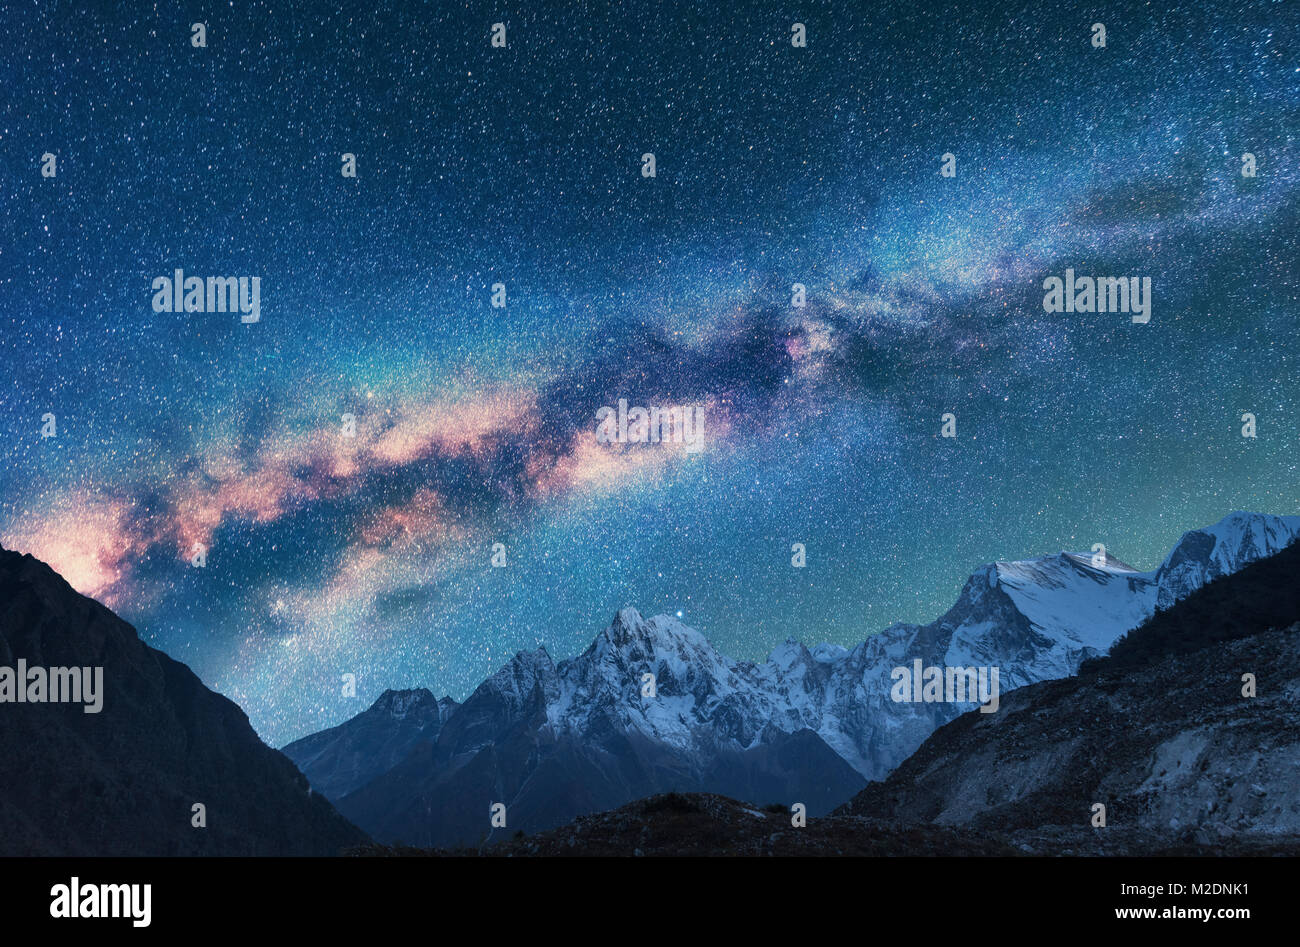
<point x="521" y="165"/>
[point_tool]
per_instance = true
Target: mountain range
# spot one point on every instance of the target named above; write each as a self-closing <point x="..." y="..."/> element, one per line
<point x="555" y="740"/>
<point x="1187" y="732"/>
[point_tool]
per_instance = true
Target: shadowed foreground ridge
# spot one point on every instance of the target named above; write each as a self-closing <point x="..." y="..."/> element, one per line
<point x="704" y="824"/>
<point x="1159" y="732"/>
<point x="707" y="825"/>
<point x="122" y="781"/>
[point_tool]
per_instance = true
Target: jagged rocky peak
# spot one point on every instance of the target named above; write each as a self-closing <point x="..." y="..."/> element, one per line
<point x="792" y="653"/>
<point x="1203" y="555"/>
<point x="789" y="654"/>
<point x="633" y="639"/>
<point x="523" y="673"/>
<point x="826" y="653"/>
<point x="398" y="704"/>
<point x="1235" y="538"/>
<point x="628" y="626"/>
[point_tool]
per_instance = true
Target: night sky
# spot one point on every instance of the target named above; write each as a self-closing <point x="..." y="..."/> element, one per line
<point x="522" y="165"/>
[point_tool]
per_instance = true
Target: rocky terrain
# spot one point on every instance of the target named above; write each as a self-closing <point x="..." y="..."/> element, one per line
<point x="703" y="824"/>
<point x="1159" y="732"/>
<point x="707" y="825"/>
<point x="555" y="740"/>
<point x="123" y="781"/>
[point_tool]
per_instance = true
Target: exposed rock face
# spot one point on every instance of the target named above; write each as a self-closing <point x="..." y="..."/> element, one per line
<point x="1222" y="549"/>
<point x="1169" y="750"/>
<point x="123" y="781"/>
<point x="1159" y="733"/>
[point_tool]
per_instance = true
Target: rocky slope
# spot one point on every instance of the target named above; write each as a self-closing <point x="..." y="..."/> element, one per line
<point x="1159" y="732"/>
<point x="695" y="824"/>
<point x="704" y="824"/>
<point x="122" y="781"/>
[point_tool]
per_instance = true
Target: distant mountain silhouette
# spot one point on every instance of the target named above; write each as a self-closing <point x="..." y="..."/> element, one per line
<point x="342" y="759"/>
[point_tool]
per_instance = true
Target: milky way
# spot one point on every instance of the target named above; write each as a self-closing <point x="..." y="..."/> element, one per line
<point x="522" y="166"/>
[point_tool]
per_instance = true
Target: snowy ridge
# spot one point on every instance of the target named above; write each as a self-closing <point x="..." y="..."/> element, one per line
<point x="1035" y="619"/>
<point x="345" y="757"/>
<point x="557" y="739"/>
<point x="1205" y="554"/>
<point x="698" y="691"/>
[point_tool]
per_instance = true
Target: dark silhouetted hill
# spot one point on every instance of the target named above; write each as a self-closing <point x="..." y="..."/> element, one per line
<point x="123" y="781"/>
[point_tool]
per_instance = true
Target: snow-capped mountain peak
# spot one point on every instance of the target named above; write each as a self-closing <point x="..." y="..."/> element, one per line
<point x="519" y="678"/>
<point x="653" y="697"/>
<point x="788" y="654"/>
<point x="1203" y="555"/>
<point x="629" y="630"/>
<point x="1035" y="619"/>
<point x="688" y="678"/>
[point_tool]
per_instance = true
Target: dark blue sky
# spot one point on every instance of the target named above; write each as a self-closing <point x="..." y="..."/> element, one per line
<point x="776" y="165"/>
